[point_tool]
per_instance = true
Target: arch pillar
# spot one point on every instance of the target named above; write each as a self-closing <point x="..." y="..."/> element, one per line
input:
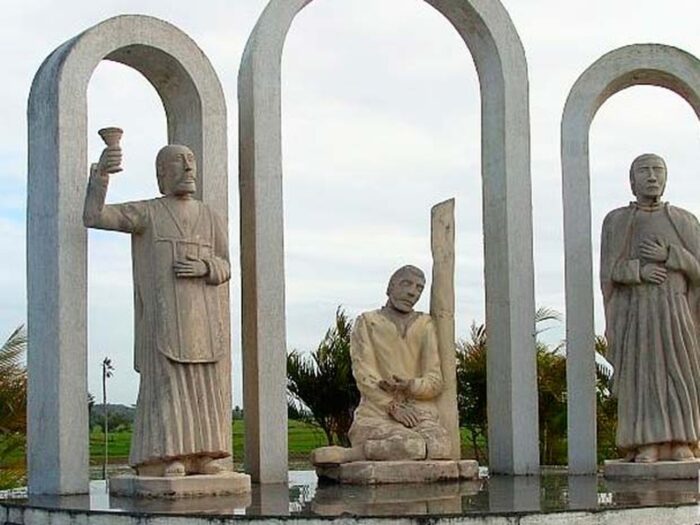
<point x="56" y="238"/>
<point x="639" y="64"/>
<point x="500" y="61"/>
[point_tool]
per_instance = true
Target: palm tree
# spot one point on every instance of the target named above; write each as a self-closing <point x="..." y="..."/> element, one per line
<point x="107" y="370"/>
<point x="471" y="388"/>
<point x="323" y="381"/>
<point x="13" y="404"/>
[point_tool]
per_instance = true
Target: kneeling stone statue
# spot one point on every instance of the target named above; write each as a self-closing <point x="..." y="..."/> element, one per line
<point x="396" y="364"/>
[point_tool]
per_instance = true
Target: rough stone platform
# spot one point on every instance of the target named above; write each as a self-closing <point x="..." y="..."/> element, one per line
<point x="380" y="472"/>
<point x="224" y="484"/>
<point x="619" y="469"/>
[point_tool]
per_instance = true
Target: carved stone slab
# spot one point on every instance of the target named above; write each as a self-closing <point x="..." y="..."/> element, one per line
<point x="658" y="470"/>
<point x="226" y="484"/>
<point x="376" y="472"/>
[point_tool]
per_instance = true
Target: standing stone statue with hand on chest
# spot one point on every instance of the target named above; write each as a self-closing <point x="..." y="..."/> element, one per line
<point x="180" y="259"/>
<point x="650" y="277"/>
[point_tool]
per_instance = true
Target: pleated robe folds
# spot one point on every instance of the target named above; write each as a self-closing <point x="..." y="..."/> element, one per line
<point x="652" y="330"/>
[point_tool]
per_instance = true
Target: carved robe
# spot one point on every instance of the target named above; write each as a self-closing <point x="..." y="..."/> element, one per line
<point x="180" y="339"/>
<point x="652" y="330"/>
<point x="379" y="351"/>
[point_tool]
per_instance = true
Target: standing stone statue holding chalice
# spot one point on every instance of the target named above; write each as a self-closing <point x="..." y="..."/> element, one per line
<point x="180" y="259"/>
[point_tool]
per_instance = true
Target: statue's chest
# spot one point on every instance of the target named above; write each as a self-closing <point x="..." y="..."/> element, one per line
<point x="652" y="225"/>
<point x="181" y="231"/>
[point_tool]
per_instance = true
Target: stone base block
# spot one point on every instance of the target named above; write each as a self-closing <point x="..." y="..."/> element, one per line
<point x="619" y="469"/>
<point x="224" y="484"/>
<point x="380" y="472"/>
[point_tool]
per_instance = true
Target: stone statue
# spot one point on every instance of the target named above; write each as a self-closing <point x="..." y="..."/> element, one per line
<point x="650" y="273"/>
<point x="396" y="364"/>
<point x="180" y="259"/>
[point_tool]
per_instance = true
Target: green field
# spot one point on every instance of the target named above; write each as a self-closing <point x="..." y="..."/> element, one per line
<point x="303" y="438"/>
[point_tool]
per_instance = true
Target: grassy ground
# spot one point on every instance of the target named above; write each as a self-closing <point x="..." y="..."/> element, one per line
<point x="303" y="438"/>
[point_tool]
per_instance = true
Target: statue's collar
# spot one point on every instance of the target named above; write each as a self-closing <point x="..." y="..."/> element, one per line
<point x="648" y="207"/>
<point x="402" y="322"/>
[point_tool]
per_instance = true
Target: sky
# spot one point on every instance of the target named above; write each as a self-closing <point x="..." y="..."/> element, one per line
<point x="381" y="120"/>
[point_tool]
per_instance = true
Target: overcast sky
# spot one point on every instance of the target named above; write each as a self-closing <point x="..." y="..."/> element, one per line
<point x="381" y="120"/>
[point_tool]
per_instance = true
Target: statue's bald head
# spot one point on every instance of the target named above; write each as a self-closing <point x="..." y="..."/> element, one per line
<point x="642" y="168"/>
<point x="175" y="162"/>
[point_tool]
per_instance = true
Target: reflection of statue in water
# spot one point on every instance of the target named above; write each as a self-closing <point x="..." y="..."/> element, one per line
<point x="396" y="364"/>
<point x="180" y="257"/>
<point x="650" y="272"/>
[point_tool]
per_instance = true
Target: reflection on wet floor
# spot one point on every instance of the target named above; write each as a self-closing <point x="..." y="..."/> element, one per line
<point x="303" y="496"/>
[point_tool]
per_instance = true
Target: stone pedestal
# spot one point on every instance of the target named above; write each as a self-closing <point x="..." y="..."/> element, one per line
<point x="380" y="472"/>
<point x="619" y="469"/>
<point x="225" y="484"/>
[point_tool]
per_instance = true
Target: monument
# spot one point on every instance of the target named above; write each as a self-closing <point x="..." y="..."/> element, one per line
<point x="405" y="427"/>
<point x="638" y="64"/>
<point x="649" y="273"/>
<point x="195" y="110"/>
<point x="180" y="259"/>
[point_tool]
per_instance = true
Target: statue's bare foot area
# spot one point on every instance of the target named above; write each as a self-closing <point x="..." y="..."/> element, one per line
<point x="335" y="455"/>
<point x="681" y="452"/>
<point x="209" y="466"/>
<point x="174" y="469"/>
<point x="647" y="454"/>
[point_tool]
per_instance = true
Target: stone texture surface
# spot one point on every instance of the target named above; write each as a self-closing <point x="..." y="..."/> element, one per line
<point x="180" y="266"/>
<point x="653" y="64"/>
<point x="649" y="274"/>
<point x="399" y="369"/>
<point x="647" y="516"/>
<point x="658" y="470"/>
<point x="442" y="310"/>
<point x="229" y="483"/>
<point x="381" y="472"/>
<point x="396" y="363"/>
<point x="500" y="62"/>
<point x="56" y="239"/>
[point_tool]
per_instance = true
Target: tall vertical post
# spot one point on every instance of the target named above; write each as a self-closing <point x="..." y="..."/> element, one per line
<point x="442" y="310"/>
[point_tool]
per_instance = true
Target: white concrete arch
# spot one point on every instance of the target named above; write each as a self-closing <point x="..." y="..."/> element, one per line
<point x="56" y="238"/>
<point x="500" y="61"/>
<point x="639" y="64"/>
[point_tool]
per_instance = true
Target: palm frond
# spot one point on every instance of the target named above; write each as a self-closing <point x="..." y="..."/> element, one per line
<point x="544" y="314"/>
<point x="12" y="350"/>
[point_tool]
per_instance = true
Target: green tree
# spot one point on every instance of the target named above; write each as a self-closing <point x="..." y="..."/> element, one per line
<point x="13" y="406"/>
<point x="471" y="389"/>
<point x="606" y="404"/>
<point x="551" y="392"/>
<point x="322" y="381"/>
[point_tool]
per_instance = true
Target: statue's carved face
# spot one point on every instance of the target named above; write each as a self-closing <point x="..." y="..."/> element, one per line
<point x="648" y="177"/>
<point x="178" y="169"/>
<point x="405" y="291"/>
